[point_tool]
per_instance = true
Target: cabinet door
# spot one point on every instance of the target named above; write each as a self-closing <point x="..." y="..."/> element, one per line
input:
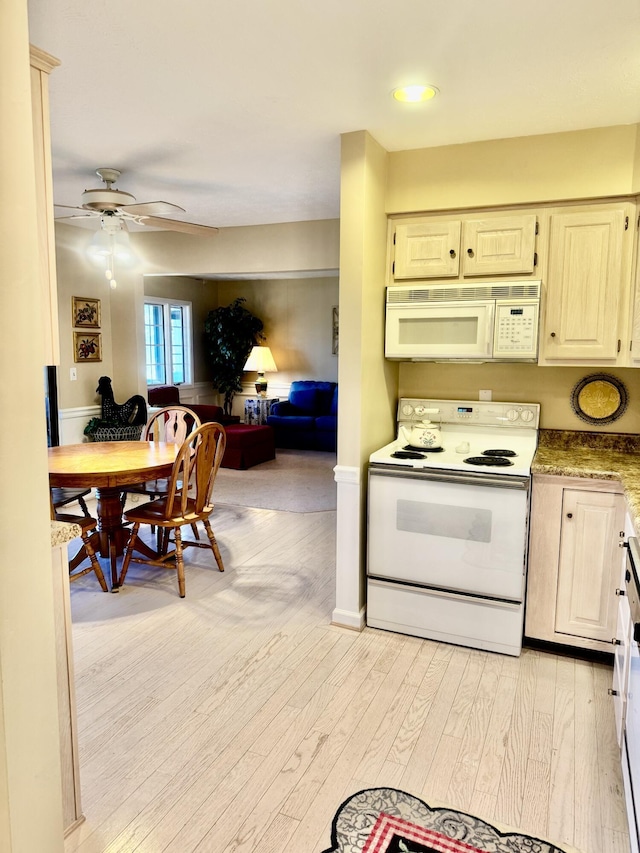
<point x="634" y="332"/>
<point x="589" y="565"/>
<point x="621" y="665"/>
<point x="584" y="285"/>
<point x="427" y="250"/>
<point x="497" y="246"/>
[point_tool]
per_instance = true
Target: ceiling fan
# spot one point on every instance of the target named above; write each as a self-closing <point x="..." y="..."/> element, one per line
<point x="111" y="204"/>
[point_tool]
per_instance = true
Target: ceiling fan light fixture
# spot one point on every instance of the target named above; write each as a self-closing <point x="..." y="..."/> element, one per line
<point x="106" y="200"/>
<point x="100" y="245"/>
<point x="414" y="94"/>
<point x="122" y="246"/>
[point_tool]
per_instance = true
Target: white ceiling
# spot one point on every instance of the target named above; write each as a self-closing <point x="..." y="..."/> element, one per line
<point x="234" y="109"/>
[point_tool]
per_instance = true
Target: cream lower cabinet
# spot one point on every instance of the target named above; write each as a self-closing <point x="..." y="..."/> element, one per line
<point x="588" y="285"/>
<point x="577" y="528"/>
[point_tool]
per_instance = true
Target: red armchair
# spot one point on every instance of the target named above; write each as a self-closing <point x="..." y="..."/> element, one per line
<point x="168" y="395"/>
<point x="246" y="445"/>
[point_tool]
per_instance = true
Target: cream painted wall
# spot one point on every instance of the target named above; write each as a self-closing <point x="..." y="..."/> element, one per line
<point x="203" y="296"/>
<point x="573" y="165"/>
<point x="577" y="164"/>
<point x="304" y="247"/>
<point x="287" y="247"/>
<point x="521" y="383"/>
<point x="368" y="384"/>
<point x="297" y="323"/>
<point x="77" y="276"/>
<point x="30" y="774"/>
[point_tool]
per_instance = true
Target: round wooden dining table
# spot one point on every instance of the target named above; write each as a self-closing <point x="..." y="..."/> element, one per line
<point x="109" y="466"/>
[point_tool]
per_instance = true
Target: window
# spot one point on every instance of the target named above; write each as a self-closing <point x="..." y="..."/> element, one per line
<point x="167" y="339"/>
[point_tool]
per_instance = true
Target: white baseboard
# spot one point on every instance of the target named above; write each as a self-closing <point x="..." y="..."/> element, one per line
<point x="346" y="619"/>
<point x="350" y="580"/>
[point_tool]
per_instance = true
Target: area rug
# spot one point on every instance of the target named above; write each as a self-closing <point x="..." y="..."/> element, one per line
<point x="385" y="820"/>
<point x="295" y="481"/>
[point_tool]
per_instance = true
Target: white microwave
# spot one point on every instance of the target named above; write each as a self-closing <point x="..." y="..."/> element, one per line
<point x="439" y="321"/>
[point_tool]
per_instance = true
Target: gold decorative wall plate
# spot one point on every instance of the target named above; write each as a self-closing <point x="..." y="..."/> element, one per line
<point x="599" y="399"/>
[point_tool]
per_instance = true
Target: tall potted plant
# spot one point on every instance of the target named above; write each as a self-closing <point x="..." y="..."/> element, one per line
<point x="230" y="332"/>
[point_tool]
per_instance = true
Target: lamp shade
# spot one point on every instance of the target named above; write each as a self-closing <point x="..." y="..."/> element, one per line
<point x="260" y="359"/>
<point x="100" y="245"/>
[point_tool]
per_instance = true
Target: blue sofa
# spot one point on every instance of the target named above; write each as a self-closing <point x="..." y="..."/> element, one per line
<point x="308" y="420"/>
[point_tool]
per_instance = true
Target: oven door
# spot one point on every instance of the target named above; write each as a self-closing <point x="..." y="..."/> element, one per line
<point x="631" y="743"/>
<point x="448" y="330"/>
<point x="631" y="746"/>
<point x="449" y="531"/>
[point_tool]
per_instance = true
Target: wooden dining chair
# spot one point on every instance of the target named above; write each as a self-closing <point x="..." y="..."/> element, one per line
<point x="188" y="501"/>
<point x="87" y="526"/>
<point x="62" y="497"/>
<point x="172" y="424"/>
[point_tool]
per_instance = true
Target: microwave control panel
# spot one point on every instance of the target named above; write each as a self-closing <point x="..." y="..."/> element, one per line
<point x="516" y="329"/>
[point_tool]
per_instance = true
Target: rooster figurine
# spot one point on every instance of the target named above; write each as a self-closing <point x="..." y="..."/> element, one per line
<point x="133" y="411"/>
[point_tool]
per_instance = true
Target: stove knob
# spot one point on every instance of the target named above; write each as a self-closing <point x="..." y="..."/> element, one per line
<point x="420" y="410"/>
<point x="527" y="416"/>
<point x="512" y="415"/>
<point x="407" y="409"/>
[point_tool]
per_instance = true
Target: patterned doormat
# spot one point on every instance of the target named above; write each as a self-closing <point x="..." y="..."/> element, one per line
<point x="385" y="820"/>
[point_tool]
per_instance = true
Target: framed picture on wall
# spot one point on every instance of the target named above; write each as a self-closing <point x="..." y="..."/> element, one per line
<point x="334" y="330"/>
<point x="87" y="346"/>
<point x="86" y="312"/>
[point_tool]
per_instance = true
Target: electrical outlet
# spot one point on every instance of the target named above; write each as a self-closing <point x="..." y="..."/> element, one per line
<point x="73" y="374"/>
<point x="484" y="395"/>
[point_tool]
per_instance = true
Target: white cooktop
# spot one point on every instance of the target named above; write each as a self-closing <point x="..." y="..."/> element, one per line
<point x="468" y="429"/>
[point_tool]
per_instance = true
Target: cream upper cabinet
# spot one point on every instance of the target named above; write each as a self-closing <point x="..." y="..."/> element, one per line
<point x="465" y="247"/>
<point x="587" y="285"/>
<point x="499" y="246"/>
<point x="577" y="527"/>
<point x="427" y="250"/>
<point x="634" y="332"/>
<point x="41" y="66"/>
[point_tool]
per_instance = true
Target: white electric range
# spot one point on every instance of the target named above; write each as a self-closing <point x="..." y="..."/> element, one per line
<point x="448" y="528"/>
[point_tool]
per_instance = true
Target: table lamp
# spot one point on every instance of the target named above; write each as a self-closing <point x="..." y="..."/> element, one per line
<point x="260" y="359"/>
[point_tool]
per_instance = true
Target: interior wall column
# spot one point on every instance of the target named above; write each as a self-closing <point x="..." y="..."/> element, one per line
<point x="368" y="384"/>
<point x="30" y="778"/>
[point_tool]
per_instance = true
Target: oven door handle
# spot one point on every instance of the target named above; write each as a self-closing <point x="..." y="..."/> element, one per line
<point x="493" y="481"/>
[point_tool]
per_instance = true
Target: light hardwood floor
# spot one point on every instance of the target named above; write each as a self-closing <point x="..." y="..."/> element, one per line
<point x="238" y="719"/>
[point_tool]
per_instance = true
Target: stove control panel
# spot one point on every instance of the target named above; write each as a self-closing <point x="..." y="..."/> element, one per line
<point x="476" y="412"/>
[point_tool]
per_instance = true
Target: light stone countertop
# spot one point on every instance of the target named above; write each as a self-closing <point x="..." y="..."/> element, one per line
<point x="63" y="532"/>
<point x="595" y="456"/>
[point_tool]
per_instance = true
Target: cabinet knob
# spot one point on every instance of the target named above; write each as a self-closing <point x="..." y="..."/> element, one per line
<point x="553" y="334"/>
<point x="616" y="642"/>
<point x="612" y="692"/>
<point x="620" y="592"/>
<point x="452" y="252"/>
<point x="569" y="515"/>
<point x="470" y="252"/>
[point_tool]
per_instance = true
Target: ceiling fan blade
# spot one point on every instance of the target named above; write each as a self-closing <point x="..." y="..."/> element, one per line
<point x="74" y="207"/>
<point x="153" y="208"/>
<point x="177" y="225"/>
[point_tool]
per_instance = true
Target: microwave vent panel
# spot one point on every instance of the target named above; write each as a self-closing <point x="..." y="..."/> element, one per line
<point x="400" y="295"/>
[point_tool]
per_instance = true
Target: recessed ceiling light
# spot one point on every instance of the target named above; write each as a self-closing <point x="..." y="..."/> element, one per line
<point x="414" y="94"/>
